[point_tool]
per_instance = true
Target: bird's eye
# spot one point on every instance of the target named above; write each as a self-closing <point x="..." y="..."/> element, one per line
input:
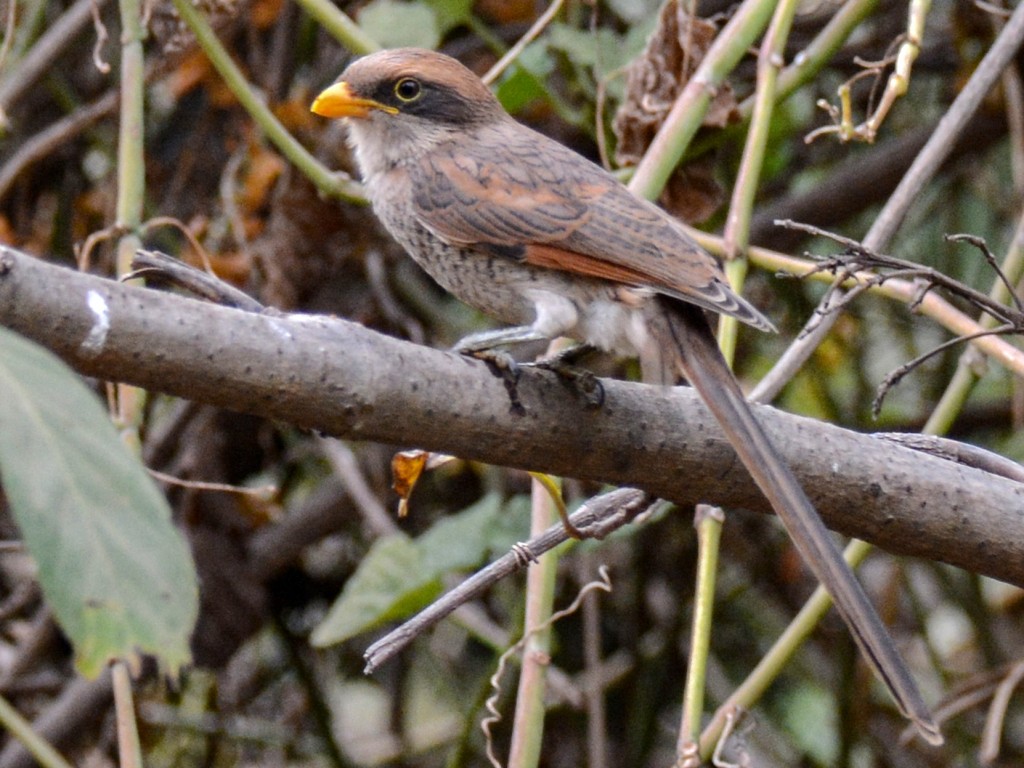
<point x="408" y="89"/>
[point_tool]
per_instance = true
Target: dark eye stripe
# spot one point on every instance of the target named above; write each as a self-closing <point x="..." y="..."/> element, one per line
<point x="439" y="102"/>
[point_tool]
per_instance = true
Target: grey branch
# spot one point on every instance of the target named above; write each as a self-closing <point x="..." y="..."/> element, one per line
<point x="345" y="380"/>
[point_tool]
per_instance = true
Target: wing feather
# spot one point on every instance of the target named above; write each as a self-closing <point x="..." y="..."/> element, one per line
<point x="571" y="215"/>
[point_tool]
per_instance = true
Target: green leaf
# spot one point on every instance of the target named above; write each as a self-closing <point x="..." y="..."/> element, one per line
<point x="396" y="24"/>
<point x="389" y="583"/>
<point x="450" y="13"/>
<point x="462" y="541"/>
<point x="525" y="80"/>
<point x="399" y="576"/>
<point x="118" y="575"/>
<point x="809" y="711"/>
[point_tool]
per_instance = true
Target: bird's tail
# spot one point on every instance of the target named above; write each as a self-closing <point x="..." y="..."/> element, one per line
<point x="684" y="328"/>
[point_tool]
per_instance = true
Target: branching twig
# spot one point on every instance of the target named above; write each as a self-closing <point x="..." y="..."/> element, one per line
<point x="857" y="265"/>
<point x="858" y="258"/>
<point x="982" y="246"/>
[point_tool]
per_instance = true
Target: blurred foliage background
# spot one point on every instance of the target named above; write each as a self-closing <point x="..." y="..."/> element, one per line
<point x="272" y="563"/>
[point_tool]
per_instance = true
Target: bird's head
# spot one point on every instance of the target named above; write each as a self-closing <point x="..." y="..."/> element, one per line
<point x="403" y="102"/>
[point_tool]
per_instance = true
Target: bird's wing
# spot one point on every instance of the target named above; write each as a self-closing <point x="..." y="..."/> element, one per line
<point x="528" y="197"/>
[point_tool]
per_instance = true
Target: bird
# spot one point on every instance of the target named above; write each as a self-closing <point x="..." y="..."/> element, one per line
<point x="538" y="237"/>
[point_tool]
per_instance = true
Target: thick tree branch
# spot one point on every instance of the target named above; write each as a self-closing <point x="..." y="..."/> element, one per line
<point x="345" y="380"/>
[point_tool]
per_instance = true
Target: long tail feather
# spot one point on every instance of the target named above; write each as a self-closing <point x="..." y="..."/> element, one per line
<point x="706" y="369"/>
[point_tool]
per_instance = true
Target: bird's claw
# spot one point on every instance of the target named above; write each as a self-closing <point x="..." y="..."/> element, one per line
<point x="582" y="380"/>
<point x="503" y="365"/>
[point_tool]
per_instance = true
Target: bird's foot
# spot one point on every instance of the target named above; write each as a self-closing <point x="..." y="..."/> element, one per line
<point x="504" y="366"/>
<point x="581" y="380"/>
<point x="484" y="346"/>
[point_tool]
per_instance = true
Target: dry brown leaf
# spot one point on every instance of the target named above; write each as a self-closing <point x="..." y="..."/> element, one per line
<point x="406" y="469"/>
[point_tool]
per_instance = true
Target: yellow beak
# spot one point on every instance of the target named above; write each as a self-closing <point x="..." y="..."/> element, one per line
<point x="339" y="101"/>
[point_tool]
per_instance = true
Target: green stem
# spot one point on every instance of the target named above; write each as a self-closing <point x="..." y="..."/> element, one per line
<point x="21" y="729"/>
<point x="688" y="112"/>
<point x="709" y="535"/>
<point x="728" y="326"/>
<point x="736" y="237"/>
<point x="328" y="182"/>
<point x="340" y="26"/>
<point x="773" y="662"/>
<point x="769" y="62"/>
<point x="131" y="173"/>
<point x="131" y="184"/>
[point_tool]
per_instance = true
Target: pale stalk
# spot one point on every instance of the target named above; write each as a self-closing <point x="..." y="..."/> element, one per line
<point x="129" y="748"/>
<point x="528" y="724"/>
<point x="709" y="534"/>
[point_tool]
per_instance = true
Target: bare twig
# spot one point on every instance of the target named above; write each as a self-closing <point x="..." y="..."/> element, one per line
<point x="260" y="492"/>
<point x="597" y="518"/>
<point x="155" y="265"/>
<point x="531" y="34"/>
<point x="854" y="263"/>
<point x="894" y="377"/>
<point x="994" y="723"/>
<point x="990" y="258"/>
<point x="858" y="258"/>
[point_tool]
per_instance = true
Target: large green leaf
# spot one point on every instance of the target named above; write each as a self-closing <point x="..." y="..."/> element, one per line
<point x="399" y="575"/>
<point x="389" y="583"/>
<point x="118" y="575"/>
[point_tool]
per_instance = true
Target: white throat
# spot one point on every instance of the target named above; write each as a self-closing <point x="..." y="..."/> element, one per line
<point x="382" y="142"/>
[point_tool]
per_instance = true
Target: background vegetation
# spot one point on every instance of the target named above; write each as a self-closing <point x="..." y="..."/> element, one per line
<point x="131" y="125"/>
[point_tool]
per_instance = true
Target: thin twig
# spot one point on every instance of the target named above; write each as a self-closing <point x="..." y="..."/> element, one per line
<point x="994" y="723"/>
<point x="262" y="492"/>
<point x="982" y="246"/>
<point x="894" y="377"/>
<point x="859" y="257"/>
<point x="154" y="264"/>
<point x="502" y="64"/>
<point x="597" y="518"/>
